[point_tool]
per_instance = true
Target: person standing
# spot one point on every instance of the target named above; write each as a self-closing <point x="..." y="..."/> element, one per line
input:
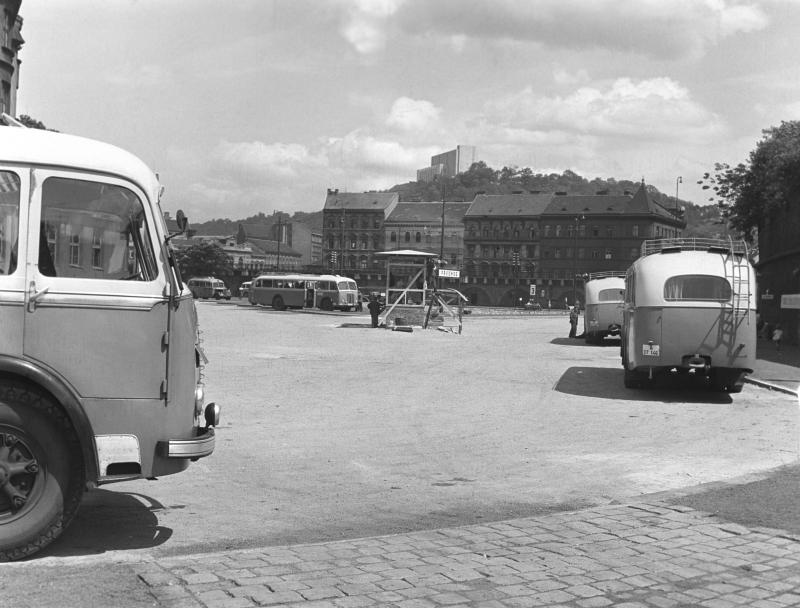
<point x="573" y="321"/>
<point x="374" y="309"/>
<point x="777" y="336"/>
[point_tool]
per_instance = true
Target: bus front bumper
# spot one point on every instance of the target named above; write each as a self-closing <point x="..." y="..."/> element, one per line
<point x="199" y="446"/>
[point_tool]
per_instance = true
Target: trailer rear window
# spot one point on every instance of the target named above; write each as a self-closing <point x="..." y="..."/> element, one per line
<point x="611" y="295"/>
<point x="697" y="287"/>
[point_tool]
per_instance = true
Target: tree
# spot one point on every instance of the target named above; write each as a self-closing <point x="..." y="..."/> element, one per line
<point x="748" y="193"/>
<point x="32" y="123"/>
<point x="203" y="259"/>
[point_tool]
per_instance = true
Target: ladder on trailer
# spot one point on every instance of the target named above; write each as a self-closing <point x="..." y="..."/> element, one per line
<point x="737" y="309"/>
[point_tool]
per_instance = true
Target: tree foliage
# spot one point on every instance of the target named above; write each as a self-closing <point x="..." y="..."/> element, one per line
<point x="748" y="193"/>
<point x="32" y="123"/>
<point x="203" y="259"/>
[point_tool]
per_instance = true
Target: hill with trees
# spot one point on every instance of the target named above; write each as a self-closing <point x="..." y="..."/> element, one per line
<point x="481" y="179"/>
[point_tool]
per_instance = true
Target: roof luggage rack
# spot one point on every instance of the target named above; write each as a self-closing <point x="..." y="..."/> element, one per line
<point x="607" y="274"/>
<point x="674" y="245"/>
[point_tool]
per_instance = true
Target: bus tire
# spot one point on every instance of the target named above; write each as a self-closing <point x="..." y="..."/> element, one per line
<point x="326" y="304"/>
<point x="277" y="303"/>
<point x="41" y="471"/>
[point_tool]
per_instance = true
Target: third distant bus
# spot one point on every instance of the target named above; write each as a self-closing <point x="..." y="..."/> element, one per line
<point x="325" y="291"/>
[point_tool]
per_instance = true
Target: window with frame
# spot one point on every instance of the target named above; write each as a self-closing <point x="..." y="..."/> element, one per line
<point x="104" y="229"/>
<point x="9" y="221"/>
<point x="97" y="252"/>
<point x="697" y="287"/>
<point x="393" y="237"/>
<point x="635" y="230"/>
<point x="558" y="230"/>
<point x="407" y="237"/>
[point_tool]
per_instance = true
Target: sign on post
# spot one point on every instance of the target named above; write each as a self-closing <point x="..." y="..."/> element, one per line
<point x="533" y="290"/>
<point x="449" y="274"/>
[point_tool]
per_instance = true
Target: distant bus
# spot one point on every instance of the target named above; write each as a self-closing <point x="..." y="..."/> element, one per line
<point x="326" y="291"/>
<point x="208" y="287"/>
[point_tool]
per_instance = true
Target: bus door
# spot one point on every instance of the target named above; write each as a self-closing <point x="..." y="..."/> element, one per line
<point x="310" y="291"/>
<point x="13" y="240"/>
<point x="96" y="307"/>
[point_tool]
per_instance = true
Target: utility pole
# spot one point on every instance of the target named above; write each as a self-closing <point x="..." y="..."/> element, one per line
<point x="280" y="235"/>
<point x="341" y="260"/>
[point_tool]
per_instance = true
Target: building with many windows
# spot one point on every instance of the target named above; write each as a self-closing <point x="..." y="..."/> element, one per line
<point x="502" y="247"/>
<point x="541" y="246"/>
<point x="10" y="43"/>
<point x="353" y="231"/>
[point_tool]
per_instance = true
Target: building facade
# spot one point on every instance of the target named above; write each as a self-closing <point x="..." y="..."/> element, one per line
<point x="353" y="231"/>
<point x="448" y="164"/>
<point x="10" y="43"/>
<point x="778" y="271"/>
<point x="542" y="246"/>
<point x="502" y="243"/>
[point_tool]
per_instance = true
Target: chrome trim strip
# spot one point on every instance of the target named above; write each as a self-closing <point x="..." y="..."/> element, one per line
<point x="200" y="446"/>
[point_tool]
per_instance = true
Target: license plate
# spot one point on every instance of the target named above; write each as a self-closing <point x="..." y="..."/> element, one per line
<point x="651" y="350"/>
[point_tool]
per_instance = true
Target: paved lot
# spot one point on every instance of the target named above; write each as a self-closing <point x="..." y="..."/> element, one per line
<point x="633" y="555"/>
<point x="701" y="547"/>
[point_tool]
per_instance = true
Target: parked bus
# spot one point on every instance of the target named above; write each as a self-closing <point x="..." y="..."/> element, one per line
<point x="325" y="291"/>
<point x="604" y="294"/>
<point x="208" y="287"/>
<point x="690" y="310"/>
<point x="91" y="391"/>
<point x="335" y="292"/>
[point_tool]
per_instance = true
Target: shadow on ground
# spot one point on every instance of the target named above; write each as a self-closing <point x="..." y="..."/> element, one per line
<point x="607" y="383"/>
<point x="111" y="521"/>
<point x="770" y="502"/>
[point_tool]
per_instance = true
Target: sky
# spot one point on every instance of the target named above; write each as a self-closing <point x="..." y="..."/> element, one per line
<point x="249" y="106"/>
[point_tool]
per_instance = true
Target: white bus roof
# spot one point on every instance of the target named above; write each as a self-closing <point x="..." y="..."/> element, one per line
<point x="48" y="148"/>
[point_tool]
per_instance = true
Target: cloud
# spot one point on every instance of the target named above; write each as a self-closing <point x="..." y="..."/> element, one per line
<point x="655" y="28"/>
<point x="656" y="107"/>
<point x="366" y="23"/>
<point x="413" y="115"/>
<point x="261" y="162"/>
<point x="138" y="76"/>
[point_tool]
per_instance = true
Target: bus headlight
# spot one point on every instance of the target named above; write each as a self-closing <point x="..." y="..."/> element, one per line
<point x="199" y="399"/>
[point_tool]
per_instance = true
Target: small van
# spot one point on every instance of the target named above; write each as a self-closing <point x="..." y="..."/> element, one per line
<point x="690" y="310"/>
<point x="100" y="358"/>
<point x="244" y="289"/>
<point x="604" y="294"/>
<point x="209" y="287"/>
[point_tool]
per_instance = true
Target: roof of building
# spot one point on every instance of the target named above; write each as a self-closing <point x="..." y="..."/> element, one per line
<point x="428" y="212"/>
<point x="504" y="205"/>
<point x="605" y="204"/>
<point x="363" y="201"/>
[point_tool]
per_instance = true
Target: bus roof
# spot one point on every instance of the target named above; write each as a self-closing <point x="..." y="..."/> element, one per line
<point x="48" y="148"/>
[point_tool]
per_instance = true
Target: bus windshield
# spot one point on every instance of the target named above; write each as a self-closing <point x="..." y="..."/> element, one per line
<point x="611" y="295"/>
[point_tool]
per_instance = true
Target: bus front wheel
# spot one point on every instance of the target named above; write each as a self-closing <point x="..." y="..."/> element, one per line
<point x="277" y="303"/>
<point x="41" y="471"/>
<point x="326" y="304"/>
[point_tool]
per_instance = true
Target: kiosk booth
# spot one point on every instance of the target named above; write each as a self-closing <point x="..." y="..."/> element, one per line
<point x="411" y="293"/>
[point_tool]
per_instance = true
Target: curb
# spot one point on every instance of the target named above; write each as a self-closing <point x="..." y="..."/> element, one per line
<point x="773" y="387"/>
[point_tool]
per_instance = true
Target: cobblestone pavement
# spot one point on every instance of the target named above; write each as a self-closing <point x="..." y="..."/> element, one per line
<point x="632" y="555"/>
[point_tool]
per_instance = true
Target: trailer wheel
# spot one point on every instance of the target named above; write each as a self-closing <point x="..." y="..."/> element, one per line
<point x="277" y="303"/>
<point x="41" y="471"/>
<point x="326" y="304"/>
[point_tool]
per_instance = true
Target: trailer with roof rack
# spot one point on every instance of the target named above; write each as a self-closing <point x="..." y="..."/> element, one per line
<point x="604" y="294"/>
<point x="690" y="310"/>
